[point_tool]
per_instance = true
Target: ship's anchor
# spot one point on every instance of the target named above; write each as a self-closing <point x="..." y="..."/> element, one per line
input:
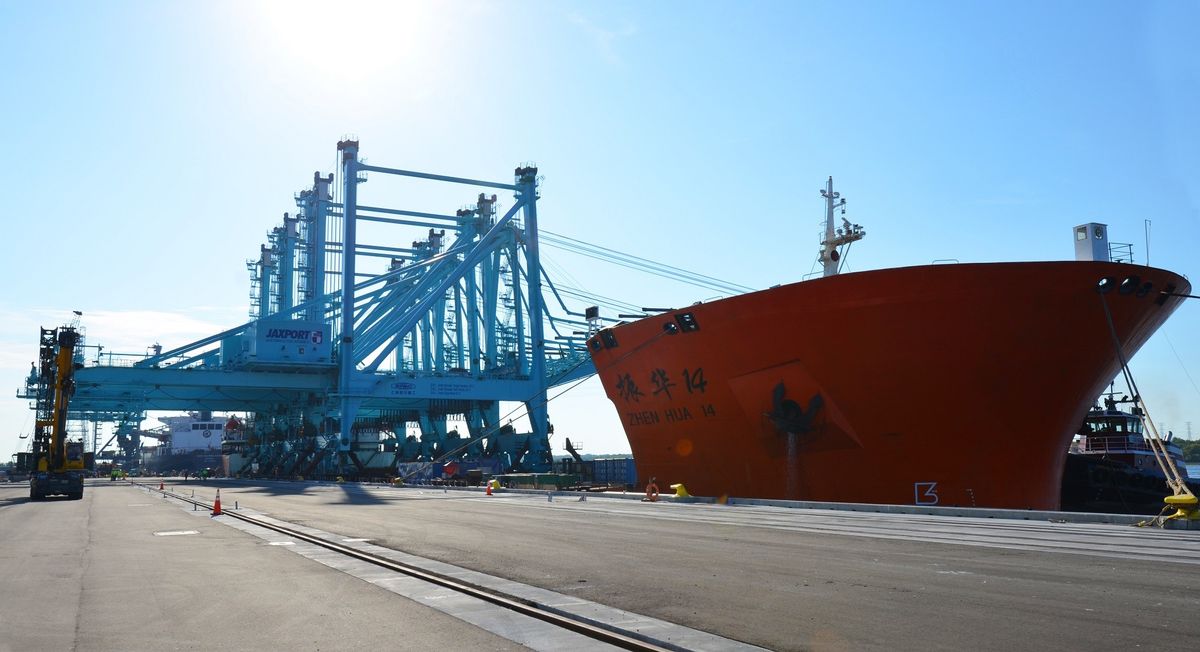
<point x="788" y="416"/>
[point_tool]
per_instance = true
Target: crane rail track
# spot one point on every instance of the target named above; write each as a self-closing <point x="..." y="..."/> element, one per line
<point x="624" y="639"/>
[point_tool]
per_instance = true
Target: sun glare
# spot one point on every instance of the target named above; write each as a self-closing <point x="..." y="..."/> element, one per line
<point x="356" y="40"/>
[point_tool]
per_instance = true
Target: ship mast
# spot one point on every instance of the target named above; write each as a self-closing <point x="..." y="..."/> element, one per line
<point x="830" y="255"/>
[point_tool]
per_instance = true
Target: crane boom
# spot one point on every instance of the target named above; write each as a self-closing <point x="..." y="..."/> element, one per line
<point x="58" y="463"/>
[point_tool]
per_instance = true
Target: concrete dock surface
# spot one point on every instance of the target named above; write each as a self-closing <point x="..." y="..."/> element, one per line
<point x="127" y="569"/>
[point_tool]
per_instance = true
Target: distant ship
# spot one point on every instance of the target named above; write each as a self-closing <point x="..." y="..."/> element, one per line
<point x="952" y="385"/>
<point x="188" y="443"/>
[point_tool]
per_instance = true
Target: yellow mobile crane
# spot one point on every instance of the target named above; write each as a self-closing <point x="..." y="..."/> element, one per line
<point x="58" y="465"/>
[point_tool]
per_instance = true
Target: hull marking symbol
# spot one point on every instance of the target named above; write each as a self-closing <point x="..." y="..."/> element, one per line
<point x="925" y="493"/>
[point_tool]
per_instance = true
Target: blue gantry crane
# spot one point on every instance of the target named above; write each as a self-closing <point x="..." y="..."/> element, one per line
<point x="363" y="355"/>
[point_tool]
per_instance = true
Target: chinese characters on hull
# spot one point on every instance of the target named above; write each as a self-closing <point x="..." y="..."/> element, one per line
<point x="662" y="382"/>
<point x="693" y="381"/>
<point x="628" y="389"/>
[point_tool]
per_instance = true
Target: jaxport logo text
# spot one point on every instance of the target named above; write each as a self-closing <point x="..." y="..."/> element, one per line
<point x="296" y="334"/>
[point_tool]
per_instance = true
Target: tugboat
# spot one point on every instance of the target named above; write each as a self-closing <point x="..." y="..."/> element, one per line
<point x="1111" y="466"/>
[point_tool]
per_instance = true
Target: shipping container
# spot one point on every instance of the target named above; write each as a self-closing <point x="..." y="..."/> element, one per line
<point x="614" y="472"/>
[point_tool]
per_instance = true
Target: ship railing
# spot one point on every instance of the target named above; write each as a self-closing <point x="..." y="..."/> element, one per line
<point x="118" y="359"/>
<point x="1117" y="444"/>
<point x="1120" y="252"/>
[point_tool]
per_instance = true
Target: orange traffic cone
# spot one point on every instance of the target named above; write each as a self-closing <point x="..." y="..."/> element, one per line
<point x="217" y="504"/>
<point x="489" y="488"/>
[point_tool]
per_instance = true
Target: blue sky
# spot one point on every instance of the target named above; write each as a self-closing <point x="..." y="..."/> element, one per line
<point x="150" y="146"/>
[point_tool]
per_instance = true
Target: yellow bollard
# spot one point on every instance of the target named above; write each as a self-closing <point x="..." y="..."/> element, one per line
<point x="681" y="491"/>
<point x="1185" y="507"/>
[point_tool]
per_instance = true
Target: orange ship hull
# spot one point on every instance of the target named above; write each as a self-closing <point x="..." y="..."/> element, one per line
<point x="945" y="384"/>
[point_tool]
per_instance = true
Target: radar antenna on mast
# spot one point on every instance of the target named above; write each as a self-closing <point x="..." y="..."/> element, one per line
<point x="837" y="241"/>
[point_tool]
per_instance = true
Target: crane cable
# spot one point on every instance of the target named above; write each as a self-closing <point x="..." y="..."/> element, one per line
<point x="631" y="261"/>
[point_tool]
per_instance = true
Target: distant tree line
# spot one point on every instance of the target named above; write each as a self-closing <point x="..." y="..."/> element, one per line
<point x="1191" y="450"/>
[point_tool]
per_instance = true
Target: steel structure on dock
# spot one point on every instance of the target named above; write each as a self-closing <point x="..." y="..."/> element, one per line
<point x="352" y="369"/>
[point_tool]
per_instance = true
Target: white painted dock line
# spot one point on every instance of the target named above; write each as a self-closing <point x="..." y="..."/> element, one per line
<point x="922" y="510"/>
